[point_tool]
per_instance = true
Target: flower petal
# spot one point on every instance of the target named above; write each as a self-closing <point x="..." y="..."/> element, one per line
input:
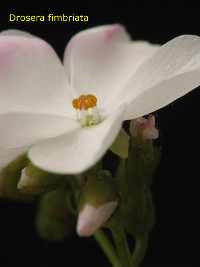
<point x="15" y="32"/>
<point x="171" y="73"/>
<point x="91" y="218"/>
<point x="24" y="129"/>
<point x="101" y="60"/>
<point x="78" y="150"/>
<point x="32" y="77"/>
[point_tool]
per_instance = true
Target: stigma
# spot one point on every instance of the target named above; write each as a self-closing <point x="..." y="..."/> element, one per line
<point x="86" y="110"/>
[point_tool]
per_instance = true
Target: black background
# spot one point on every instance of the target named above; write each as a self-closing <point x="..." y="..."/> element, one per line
<point x="174" y="240"/>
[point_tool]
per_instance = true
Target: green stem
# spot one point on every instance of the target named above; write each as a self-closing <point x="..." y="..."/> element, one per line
<point x="120" y="240"/>
<point x="140" y="249"/>
<point x="74" y="186"/>
<point x="69" y="203"/>
<point x="107" y="247"/>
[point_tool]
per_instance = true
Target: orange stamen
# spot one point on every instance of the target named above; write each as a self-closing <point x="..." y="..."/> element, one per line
<point x="84" y="102"/>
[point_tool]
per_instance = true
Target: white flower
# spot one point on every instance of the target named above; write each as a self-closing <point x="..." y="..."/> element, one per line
<point x="128" y="79"/>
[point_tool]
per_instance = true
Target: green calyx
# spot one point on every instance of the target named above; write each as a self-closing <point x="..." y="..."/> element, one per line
<point x="17" y="164"/>
<point x="54" y="222"/>
<point x="141" y="220"/>
<point x="54" y="203"/>
<point x="135" y="176"/>
<point x="36" y="181"/>
<point x="99" y="189"/>
<point x="53" y="229"/>
<point x="9" y="178"/>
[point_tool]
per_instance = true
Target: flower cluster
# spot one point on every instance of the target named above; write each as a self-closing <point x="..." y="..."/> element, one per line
<point x="48" y="113"/>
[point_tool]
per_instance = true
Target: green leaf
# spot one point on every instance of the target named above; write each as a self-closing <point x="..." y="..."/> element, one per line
<point x="120" y="145"/>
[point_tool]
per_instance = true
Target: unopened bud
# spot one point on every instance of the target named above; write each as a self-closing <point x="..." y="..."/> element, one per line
<point x="9" y="178"/>
<point x="98" y="201"/>
<point x="36" y="181"/>
<point x="54" y="203"/>
<point x="53" y="228"/>
<point x="54" y="221"/>
<point x="91" y="218"/>
<point x="145" y="127"/>
<point x="141" y="220"/>
<point x="136" y="173"/>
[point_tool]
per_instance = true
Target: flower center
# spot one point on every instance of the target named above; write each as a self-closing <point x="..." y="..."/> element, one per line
<point x="86" y="110"/>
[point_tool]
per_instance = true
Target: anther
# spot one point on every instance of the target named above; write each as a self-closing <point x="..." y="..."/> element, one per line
<point x="82" y="104"/>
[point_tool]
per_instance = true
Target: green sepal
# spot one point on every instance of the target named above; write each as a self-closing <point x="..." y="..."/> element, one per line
<point x="54" y="203"/>
<point x="53" y="220"/>
<point x="141" y="220"/>
<point x="39" y="181"/>
<point x="95" y="169"/>
<point x="9" y="178"/>
<point x="121" y="144"/>
<point x="53" y="228"/>
<point x="17" y="164"/>
<point x="99" y="189"/>
<point x="135" y="174"/>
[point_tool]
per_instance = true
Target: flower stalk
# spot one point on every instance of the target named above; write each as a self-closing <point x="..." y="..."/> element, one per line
<point x="119" y="237"/>
<point x="107" y="248"/>
<point x="140" y="249"/>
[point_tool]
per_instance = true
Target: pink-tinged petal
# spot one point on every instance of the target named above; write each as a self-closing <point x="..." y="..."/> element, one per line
<point x="171" y="73"/>
<point x="15" y="32"/>
<point x="24" y="129"/>
<point x="95" y="38"/>
<point x="7" y="155"/>
<point x="145" y="127"/>
<point x="78" y="150"/>
<point x="32" y="77"/>
<point x="100" y="60"/>
<point x="90" y="218"/>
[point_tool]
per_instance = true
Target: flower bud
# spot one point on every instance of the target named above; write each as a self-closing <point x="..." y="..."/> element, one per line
<point x="91" y="218"/>
<point x="145" y="127"/>
<point x="54" y="203"/>
<point x="53" y="228"/>
<point x="98" y="200"/>
<point x="36" y="181"/>
<point x="141" y="220"/>
<point x="9" y="178"/>
<point x="54" y="221"/>
<point x="135" y="174"/>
